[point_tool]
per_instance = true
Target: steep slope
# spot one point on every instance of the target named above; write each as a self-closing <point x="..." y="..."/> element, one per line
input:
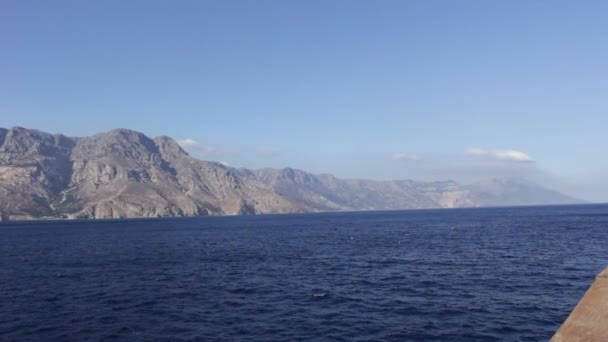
<point x="123" y="173"/>
<point x="120" y="174"/>
<point x="34" y="168"/>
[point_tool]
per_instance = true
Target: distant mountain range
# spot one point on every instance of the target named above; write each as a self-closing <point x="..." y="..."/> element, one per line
<point x="125" y="174"/>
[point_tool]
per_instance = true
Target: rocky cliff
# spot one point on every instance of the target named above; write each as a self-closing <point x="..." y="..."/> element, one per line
<point x="120" y="174"/>
<point x="123" y="173"/>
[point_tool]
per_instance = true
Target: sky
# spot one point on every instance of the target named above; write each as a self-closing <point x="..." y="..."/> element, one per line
<point x="425" y="90"/>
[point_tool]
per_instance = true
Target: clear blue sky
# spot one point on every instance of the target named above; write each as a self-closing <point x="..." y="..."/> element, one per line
<point x="375" y="89"/>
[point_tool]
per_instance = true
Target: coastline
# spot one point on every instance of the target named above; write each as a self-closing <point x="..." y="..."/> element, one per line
<point x="22" y="218"/>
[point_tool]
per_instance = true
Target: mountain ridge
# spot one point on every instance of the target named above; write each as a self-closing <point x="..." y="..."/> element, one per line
<point x="126" y="174"/>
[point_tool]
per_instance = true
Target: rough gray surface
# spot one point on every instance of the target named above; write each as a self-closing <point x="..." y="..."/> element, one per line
<point x="120" y="174"/>
<point x="123" y="174"/>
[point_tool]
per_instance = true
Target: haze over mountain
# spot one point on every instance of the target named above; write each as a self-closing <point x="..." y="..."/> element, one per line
<point x="125" y="174"/>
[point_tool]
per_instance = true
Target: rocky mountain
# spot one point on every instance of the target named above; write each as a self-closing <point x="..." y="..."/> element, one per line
<point x="123" y="173"/>
<point x="120" y="174"/>
<point x="326" y="192"/>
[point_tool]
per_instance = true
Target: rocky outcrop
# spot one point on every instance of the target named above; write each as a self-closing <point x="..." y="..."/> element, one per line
<point x="123" y="173"/>
<point x="120" y="174"/>
<point x="34" y="168"/>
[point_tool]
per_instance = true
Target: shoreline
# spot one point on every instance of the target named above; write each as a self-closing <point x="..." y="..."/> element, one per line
<point x="20" y="219"/>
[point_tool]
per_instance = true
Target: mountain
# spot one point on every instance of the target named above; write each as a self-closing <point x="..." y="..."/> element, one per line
<point x="326" y="192"/>
<point x="515" y="192"/>
<point x="123" y="173"/>
<point x="120" y="174"/>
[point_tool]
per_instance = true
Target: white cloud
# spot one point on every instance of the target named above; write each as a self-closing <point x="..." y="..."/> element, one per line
<point x="225" y="163"/>
<point x="268" y="151"/>
<point x="504" y="155"/>
<point x="188" y="142"/>
<point x="406" y="157"/>
<point x="193" y="145"/>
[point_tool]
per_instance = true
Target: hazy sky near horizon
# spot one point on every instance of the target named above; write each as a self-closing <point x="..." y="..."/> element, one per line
<point x="424" y="89"/>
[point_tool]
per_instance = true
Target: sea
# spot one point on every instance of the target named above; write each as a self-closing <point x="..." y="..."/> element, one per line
<point x="497" y="274"/>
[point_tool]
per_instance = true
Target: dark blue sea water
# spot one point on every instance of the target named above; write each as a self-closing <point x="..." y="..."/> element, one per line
<point x="435" y="275"/>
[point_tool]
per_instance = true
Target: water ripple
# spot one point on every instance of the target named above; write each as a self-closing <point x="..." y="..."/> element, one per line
<point x="451" y="275"/>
